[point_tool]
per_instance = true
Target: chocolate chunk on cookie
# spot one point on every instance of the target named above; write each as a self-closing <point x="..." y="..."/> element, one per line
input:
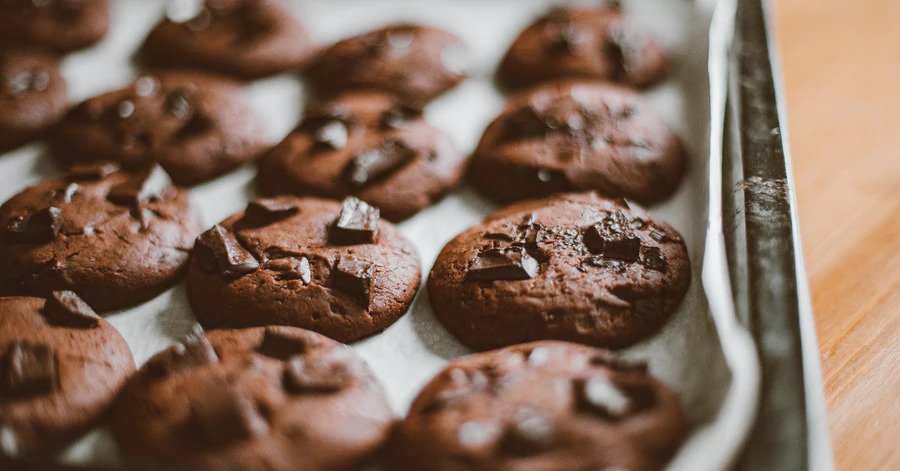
<point x="64" y="25"/>
<point x="576" y="267"/>
<point x="61" y="367"/>
<point x="274" y="398"/>
<point x="542" y="405"/>
<point x="243" y="38"/>
<point x="368" y="145"/>
<point x="116" y="239"/>
<point x="33" y="94"/>
<point x="586" y="43"/>
<point x="412" y="62"/>
<point x="333" y="268"/>
<point x="196" y="126"/>
<point x="568" y="136"/>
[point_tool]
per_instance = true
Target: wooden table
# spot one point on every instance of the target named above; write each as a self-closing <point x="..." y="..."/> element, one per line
<point x="842" y="72"/>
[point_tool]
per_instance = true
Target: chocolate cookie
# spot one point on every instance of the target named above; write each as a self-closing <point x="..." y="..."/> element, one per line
<point x="115" y="238"/>
<point x="331" y="267"/>
<point x="196" y="126"/>
<point x="274" y="398"/>
<point x="541" y="406"/>
<point x="575" y="267"/>
<point x="244" y="38"/>
<point x="64" y="25"/>
<point x="365" y="144"/>
<point x="591" y="43"/>
<point x="32" y="94"/>
<point x="576" y="136"/>
<point x="61" y="366"/>
<point x="414" y="63"/>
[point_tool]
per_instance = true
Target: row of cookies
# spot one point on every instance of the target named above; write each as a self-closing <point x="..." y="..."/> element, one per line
<point x="284" y="398"/>
<point x="361" y="136"/>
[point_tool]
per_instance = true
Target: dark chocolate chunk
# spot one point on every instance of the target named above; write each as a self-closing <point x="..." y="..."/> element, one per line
<point x="194" y="352"/>
<point x="92" y="170"/>
<point x="357" y="223"/>
<point x="659" y="236"/>
<point x="265" y="211"/>
<point x="524" y="123"/>
<point x="613" y="238"/>
<point x="567" y="39"/>
<point x="141" y="187"/>
<point x="28" y="369"/>
<point x="332" y="135"/>
<point x="528" y="435"/>
<point x="41" y="226"/>
<point x="509" y="263"/>
<point x="218" y="250"/>
<point x="315" y="375"/>
<point x="376" y="163"/>
<point x="177" y="104"/>
<point x="290" y="268"/>
<point x="499" y="236"/>
<point x="653" y="259"/>
<point x="225" y="415"/>
<point x="281" y="346"/>
<point x="354" y="278"/>
<point x="66" y="308"/>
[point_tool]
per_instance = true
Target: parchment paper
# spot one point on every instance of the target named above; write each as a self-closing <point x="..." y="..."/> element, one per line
<point x="702" y="352"/>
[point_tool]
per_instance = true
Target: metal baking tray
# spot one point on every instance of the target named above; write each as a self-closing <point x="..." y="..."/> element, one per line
<point x="765" y="273"/>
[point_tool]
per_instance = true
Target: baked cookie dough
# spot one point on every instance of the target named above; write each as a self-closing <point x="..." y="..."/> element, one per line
<point x="273" y="399"/>
<point x="331" y="267"/>
<point x="195" y="125"/>
<point x="368" y="145"/>
<point x="116" y="238"/>
<point x="61" y="367"/>
<point x="576" y="267"/>
<point x="599" y="43"/>
<point x="577" y="136"/>
<point x="64" y="25"/>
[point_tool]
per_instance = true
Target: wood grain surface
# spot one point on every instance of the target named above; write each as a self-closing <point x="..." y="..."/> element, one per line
<point x="842" y="74"/>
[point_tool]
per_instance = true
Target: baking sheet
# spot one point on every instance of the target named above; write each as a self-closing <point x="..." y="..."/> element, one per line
<point x="702" y="352"/>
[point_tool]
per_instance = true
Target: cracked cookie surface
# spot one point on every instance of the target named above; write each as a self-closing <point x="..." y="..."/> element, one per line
<point x="331" y="267"/>
<point x="61" y="367"/>
<point x="576" y="267"/>
<point x="549" y="406"/>
<point x="117" y="238"/>
<point x="275" y="399"/>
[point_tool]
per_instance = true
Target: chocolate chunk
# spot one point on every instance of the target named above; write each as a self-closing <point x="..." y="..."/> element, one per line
<point x="332" y="135"/>
<point x="568" y="39"/>
<point x="613" y="238"/>
<point x="354" y="278"/>
<point x="28" y="369"/>
<point x="194" y="352"/>
<point x="218" y="250"/>
<point x="225" y="415"/>
<point x="263" y="211"/>
<point x="357" y="223"/>
<point x="374" y="164"/>
<point x="290" y="268"/>
<point x="599" y="396"/>
<point x="528" y="435"/>
<point x="92" y="170"/>
<point x="66" y="308"/>
<point x="499" y="236"/>
<point x="659" y="236"/>
<point x="41" y="226"/>
<point x="141" y="187"/>
<point x="653" y="259"/>
<point x="315" y="375"/>
<point x="281" y="346"/>
<point x="177" y="104"/>
<point x="509" y="263"/>
<point x="525" y="123"/>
